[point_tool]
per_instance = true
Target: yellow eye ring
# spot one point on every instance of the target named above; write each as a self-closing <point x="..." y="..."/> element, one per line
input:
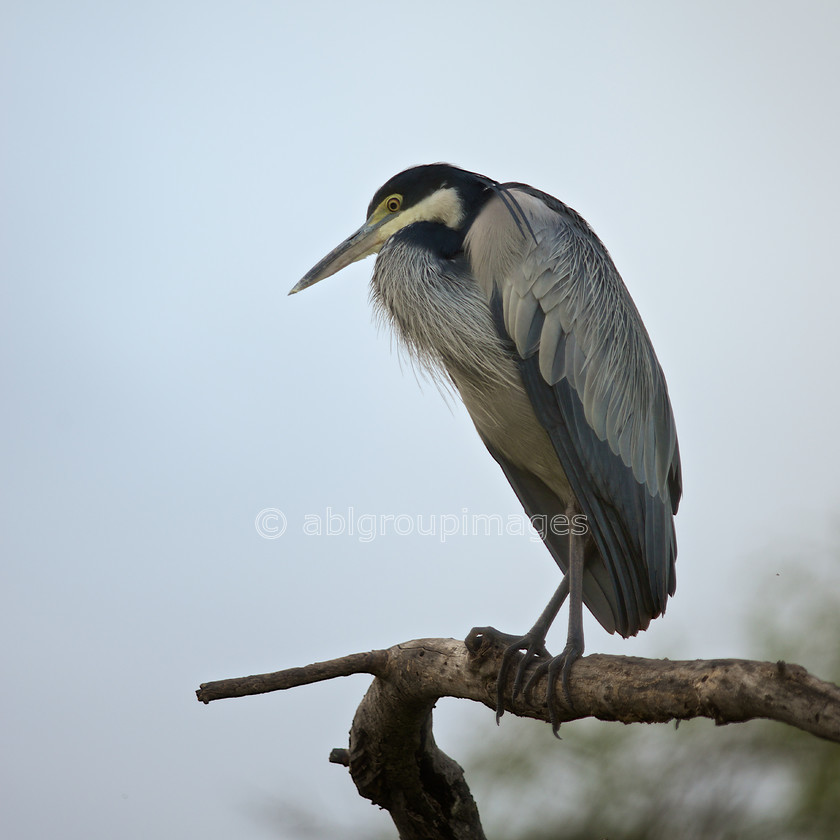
<point x="393" y="203"/>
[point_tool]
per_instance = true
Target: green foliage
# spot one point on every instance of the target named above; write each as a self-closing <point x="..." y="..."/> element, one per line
<point x="753" y="781"/>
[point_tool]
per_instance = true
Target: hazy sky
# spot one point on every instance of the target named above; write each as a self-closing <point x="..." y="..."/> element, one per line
<point x="169" y="171"/>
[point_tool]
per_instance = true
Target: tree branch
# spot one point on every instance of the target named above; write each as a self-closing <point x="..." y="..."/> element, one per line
<point x="395" y="763"/>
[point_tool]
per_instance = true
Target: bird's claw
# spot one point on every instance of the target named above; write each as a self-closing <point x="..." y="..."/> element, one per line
<point x="558" y="667"/>
<point x="534" y="651"/>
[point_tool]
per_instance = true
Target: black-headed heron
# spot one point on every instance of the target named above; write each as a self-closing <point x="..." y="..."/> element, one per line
<point x="510" y="295"/>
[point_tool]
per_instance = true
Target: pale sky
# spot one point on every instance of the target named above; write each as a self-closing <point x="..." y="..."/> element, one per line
<point x="168" y="171"/>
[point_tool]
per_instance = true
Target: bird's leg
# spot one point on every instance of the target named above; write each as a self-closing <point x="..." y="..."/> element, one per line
<point x="561" y="666"/>
<point x="533" y="643"/>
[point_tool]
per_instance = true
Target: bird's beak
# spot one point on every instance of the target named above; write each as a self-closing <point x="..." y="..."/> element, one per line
<point x="367" y="240"/>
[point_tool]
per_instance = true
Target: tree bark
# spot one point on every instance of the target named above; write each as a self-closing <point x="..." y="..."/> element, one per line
<point x="395" y="763"/>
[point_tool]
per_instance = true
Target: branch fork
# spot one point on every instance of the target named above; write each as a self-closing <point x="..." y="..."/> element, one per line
<point x="394" y="761"/>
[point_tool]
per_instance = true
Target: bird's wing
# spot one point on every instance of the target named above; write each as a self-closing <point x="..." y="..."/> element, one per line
<point x="594" y="383"/>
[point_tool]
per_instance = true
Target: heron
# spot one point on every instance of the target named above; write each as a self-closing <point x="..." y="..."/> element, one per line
<point x="509" y="295"/>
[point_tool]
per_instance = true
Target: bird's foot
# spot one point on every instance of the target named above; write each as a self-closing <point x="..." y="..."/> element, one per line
<point x="558" y="667"/>
<point x="534" y="651"/>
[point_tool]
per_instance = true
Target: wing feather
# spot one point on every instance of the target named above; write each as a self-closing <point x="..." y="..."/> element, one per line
<point x="596" y="387"/>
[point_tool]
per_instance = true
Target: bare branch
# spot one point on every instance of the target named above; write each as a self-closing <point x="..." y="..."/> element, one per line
<point x="632" y="689"/>
<point x="395" y="763"/>
<point x="622" y="688"/>
<point x="355" y="663"/>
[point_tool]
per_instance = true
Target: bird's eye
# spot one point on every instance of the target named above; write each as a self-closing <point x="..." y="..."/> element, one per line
<point x="393" y="203"/>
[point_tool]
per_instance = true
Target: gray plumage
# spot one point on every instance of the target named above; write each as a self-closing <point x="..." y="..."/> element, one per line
<point x="509" y="294"/>
<point x="563" y="304"/>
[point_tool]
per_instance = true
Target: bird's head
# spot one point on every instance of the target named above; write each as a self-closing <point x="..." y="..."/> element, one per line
<point x="436" y="192"/>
